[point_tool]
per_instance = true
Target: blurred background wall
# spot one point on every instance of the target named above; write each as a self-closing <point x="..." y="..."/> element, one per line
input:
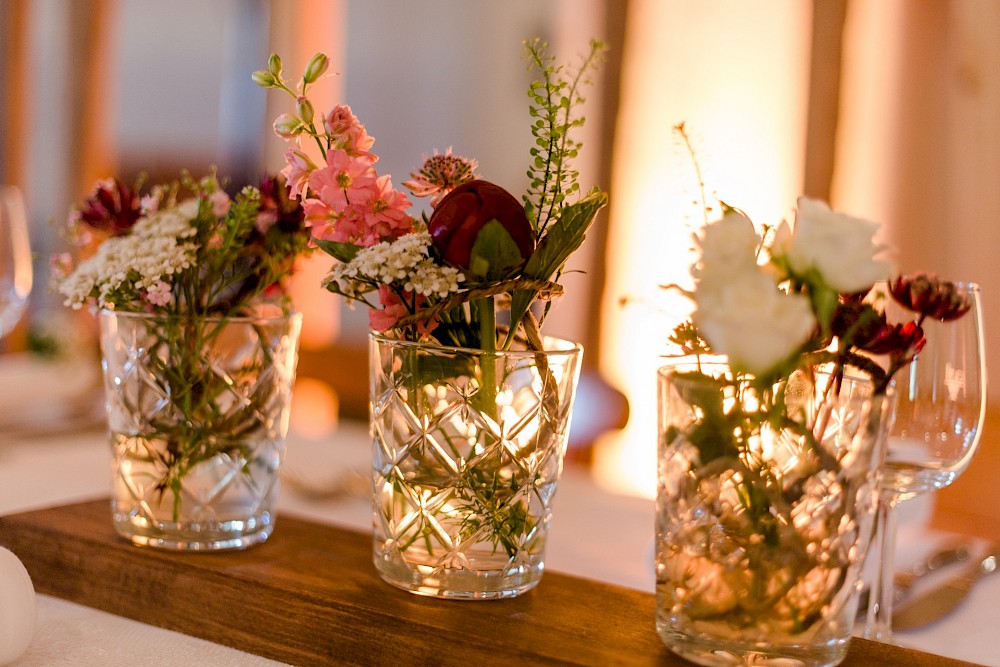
<point x="887" y="109"/>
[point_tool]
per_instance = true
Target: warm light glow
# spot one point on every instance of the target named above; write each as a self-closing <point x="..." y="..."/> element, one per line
<point x="736" y="74"/>
<point x="314" y="409"/>
<point x="320" y="309"/>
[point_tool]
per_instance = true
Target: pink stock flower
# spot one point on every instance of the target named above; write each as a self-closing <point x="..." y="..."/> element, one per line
<point x="393" y="309"/>
<point x="364" y="215"/>
<point x="440" y="174"/>
<point x="297" y="169"/>
<point x="343" y="174"/>
<point x="346" y="131"/>
<point x="383" y="209"/>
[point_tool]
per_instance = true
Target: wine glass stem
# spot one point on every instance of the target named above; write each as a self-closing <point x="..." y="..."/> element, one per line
<point x="878" y="625"/>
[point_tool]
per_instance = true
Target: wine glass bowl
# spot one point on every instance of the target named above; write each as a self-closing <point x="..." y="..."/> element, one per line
<point x="940" y="410"/>
<point x="15" y="259"/>
<point x="941" y="404"/>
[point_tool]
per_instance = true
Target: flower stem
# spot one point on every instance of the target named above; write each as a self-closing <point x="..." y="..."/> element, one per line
<point x="486" y="312"/>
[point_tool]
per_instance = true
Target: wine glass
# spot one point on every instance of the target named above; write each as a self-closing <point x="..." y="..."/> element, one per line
<point x="941" y="404"/>
<point x="15" y="259"/>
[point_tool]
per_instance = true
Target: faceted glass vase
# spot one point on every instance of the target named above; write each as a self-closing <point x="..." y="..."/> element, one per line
<point x="467" y="451"/>
<point x="198" y="412"/>
<point x="762" y="526"/>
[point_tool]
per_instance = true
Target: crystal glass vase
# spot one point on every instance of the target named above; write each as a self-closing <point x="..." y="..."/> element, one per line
<point x="197" y="413"/>
<point x="467" y="451"/>
<point x="762" y="524"/>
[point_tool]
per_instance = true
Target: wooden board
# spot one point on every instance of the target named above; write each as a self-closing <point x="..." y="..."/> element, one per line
<point x="310" y="596"/>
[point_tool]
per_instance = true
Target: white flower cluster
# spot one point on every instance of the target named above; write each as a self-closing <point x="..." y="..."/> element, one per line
<point x="405" y="261"/>
<point x="154" y="249"/>
<point x="742" y="310"/>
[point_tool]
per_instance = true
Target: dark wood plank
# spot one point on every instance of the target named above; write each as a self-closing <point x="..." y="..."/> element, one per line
<point x="310" y="596"/>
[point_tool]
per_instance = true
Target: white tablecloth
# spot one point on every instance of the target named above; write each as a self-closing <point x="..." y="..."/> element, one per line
<point x="594" y="534"/>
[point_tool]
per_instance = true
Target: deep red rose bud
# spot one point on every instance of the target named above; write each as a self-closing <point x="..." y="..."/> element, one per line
<point x="930" y="296"/>
<point x="462" y="215"/>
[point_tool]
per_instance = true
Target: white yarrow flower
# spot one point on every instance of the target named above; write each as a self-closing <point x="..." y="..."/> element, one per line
<point x="154" y="250"/>
<point x="405" y="260"/>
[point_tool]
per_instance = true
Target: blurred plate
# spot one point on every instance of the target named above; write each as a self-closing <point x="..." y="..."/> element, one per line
<point x="40" y="396"/>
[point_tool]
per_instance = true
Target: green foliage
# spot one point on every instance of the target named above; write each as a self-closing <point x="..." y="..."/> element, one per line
<point x="564" y="237"/>
<point x="553" y="99"/>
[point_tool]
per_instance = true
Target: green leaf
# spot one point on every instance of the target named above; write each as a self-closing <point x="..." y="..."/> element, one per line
<point x="343" y="252"/>
<point x="494" y="255"/>
<point x="564" y="236"/>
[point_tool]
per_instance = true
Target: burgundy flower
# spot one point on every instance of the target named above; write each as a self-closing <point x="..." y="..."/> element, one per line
<point x="899" y="340"/>
<point x="112" y="208"/>
<point x="856" y="322"/>
<point x="459" y="218"/>
<point x="277" y="208"/>
<point x="930" y="296"/>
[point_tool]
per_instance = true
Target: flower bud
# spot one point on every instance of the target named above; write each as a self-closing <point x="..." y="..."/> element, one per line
<point x="316" y="67"/>
<point x="481" y="228"/>
<point x="274" y="65"/>
<point x="305" y="110"/>
<point x="287" y="126"/>
<point x="264" y="78"/>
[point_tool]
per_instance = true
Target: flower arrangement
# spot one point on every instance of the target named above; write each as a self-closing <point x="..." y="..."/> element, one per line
<point x="794" y="298"/>
<point x="458" y="348"/>
<point x="768" y="448"/>
<point x="183" y="248"/>
<point x="442" y="278"/>
<point x="180" y="267"/>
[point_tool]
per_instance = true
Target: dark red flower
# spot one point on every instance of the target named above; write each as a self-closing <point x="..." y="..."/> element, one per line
<point x="930" y="296"/>
<point x="112" y="208"/>
<point x="900" y="341"/>
<point x="277" y="208"/>
<point x="459" y="218"/>
<point x="857" y="323"/>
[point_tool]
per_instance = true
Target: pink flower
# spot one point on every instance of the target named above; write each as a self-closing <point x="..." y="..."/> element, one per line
<point x="297" y="169"/>
<point x="384" y="212"/>
<point x="346" y="131"/>
<point x="441" y="174"/>
<point x="322" y="219"/>
<point x="220" y="203"/>
<point x="159" y="294"/>
<point x="393" y="309"/>
<point x="60" y="266"/>
<point x="343" y="174"/>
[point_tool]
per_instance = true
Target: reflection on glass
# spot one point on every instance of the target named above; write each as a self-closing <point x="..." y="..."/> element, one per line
<point x="15" y="259"/>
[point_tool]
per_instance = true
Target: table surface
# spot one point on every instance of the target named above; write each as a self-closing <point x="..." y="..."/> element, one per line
<point x="596" y="535"/>
<point x="313" y="589"/>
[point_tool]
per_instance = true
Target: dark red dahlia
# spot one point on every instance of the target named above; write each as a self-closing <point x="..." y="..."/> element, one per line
<point x="112" y="208"/>
<point x="930" y="296"/>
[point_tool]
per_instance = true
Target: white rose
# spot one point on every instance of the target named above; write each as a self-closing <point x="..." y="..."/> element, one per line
<point x="728" y="250"/>
<point x="752" y="322"/>
<point x="841" y="248"/>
